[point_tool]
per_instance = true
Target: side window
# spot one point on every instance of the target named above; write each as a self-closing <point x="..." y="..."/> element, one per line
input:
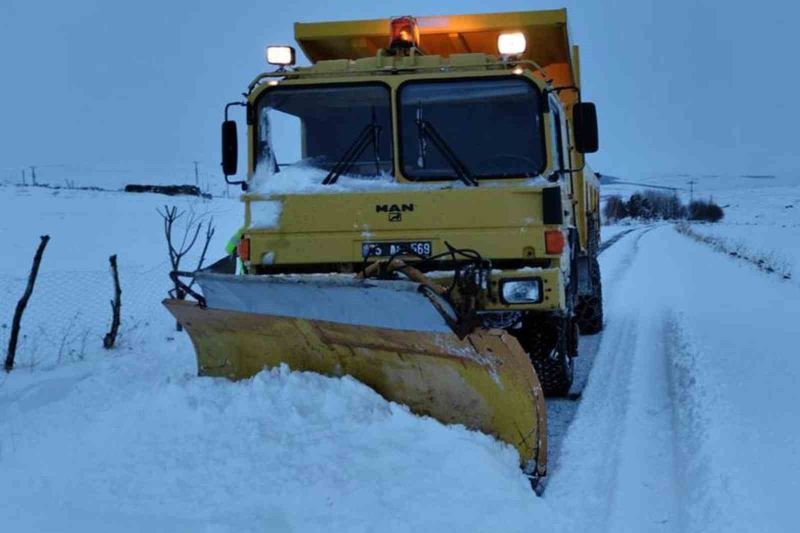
<point x="556" y="130"/>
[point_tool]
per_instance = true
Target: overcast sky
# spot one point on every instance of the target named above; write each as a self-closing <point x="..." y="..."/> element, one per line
<point x="681" y="86"/>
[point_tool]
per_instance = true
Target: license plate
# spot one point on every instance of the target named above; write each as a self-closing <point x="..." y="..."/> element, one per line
<point x="388" y="249"/>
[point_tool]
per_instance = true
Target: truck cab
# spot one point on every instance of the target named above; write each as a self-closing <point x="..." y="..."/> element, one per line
<point x="443" y="142"/>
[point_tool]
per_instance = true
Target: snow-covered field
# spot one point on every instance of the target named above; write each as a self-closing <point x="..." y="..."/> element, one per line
<point x="762" y="213"/>
<point x="687" y="418"/>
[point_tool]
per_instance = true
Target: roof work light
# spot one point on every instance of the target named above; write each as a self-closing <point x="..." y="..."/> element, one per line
<point x="283" y="56"/>
<point x="511" y="44"/>
<point x="404" y="33"/>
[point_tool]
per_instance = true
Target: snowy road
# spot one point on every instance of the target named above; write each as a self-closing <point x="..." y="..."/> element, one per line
<point x="677" y="428"/>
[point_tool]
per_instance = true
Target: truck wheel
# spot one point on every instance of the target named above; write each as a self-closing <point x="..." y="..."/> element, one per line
<point x="551" y="343"/>
<point x="589" y="308"/>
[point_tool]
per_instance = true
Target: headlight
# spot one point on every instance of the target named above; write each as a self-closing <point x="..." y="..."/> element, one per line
<point x="523" y="291"/>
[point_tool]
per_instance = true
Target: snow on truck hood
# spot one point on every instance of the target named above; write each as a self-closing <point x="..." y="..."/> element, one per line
<point x="305" y="179"/>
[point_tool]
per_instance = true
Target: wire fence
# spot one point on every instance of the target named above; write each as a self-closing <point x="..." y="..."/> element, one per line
<point x="70" y="312"/>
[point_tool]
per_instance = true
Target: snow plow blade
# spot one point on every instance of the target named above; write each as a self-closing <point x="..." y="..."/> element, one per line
<point x="385" y="334"/>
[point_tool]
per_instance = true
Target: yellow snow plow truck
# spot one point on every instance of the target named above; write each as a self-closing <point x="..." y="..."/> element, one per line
<point x="418" y="215"/>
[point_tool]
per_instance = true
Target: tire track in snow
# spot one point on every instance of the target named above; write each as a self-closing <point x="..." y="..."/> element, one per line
<point x="694" y="478"/>
<point x="642" y="492"/>
<point x="561" y="411"/>
<point x="644" y="495"/>
<point x="617" y="467"/>
<point x="613" y="240"/>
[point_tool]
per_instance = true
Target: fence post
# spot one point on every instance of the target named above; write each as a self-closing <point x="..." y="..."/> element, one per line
<point x="116" y="304"/>
<point x="23" y="302"/>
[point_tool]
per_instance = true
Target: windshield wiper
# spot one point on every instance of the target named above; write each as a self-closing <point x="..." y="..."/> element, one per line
<point x="369" y="135"/>
<point x="426" y="130"/>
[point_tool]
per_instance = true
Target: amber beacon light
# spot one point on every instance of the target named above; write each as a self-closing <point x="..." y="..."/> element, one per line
<point x="404" y="33"/>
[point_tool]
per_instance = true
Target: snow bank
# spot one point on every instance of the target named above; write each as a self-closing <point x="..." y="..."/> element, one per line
<point x="136" y="443"/>
<point x="769" y="247"/>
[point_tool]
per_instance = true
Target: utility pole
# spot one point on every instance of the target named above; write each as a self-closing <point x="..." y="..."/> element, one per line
<point x="33" y="175"/>
<point x="196" y="175"/>
<point x="691" y="190"/>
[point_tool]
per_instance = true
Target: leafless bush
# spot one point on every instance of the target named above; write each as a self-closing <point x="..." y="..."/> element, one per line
<point x="666" y="206"/>
<point x="615" y="209"/>
<point x="705" y="210"/>
<point x="649" y="205"/>
<point x="181" y="241"/>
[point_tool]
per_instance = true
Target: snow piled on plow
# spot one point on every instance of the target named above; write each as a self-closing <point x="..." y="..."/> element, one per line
<point x="137" y="443"/>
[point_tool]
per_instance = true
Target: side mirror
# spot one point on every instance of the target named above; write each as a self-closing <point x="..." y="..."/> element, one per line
<point x="230" y="148"/>
<point x="584" y="120"/>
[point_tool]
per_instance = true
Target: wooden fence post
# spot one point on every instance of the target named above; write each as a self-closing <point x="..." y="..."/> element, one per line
<point x="15" y="325"/>
<point x="116" y="304"/>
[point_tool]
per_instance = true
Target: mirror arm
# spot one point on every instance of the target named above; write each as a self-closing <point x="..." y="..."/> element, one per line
<point x="229" y="104"/>
<point x="243" y="184"/>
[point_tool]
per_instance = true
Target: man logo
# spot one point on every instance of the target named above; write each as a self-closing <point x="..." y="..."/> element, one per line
<point x="394" y="211"/>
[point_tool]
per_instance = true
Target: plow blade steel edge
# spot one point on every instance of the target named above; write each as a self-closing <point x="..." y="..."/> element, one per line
<point x="361" y="328"/>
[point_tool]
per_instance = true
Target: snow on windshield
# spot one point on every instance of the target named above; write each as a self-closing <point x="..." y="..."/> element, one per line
<point x="307" y="179"/>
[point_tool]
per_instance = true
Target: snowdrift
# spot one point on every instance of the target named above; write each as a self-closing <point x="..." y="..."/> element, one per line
<point x="137" y="443"/>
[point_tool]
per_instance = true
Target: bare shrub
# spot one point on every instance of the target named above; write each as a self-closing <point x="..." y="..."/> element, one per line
<point x="666" y="206"/>
<point x="705" y="210"/>
<point x="180" y="243"/>
<point x="652" y="205"/>
<point x="615" y="209"/>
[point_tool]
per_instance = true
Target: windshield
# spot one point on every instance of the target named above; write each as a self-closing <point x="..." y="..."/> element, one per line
<point x="492" y="126"/>
<point x="321" y="126"/>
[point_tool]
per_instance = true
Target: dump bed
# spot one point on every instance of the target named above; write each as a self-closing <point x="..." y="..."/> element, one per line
<point x="546" y="33"/>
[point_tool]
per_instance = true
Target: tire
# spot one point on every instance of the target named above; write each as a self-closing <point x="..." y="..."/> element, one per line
<point x="551" y="343"/>
<point x="589" y="308"/>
